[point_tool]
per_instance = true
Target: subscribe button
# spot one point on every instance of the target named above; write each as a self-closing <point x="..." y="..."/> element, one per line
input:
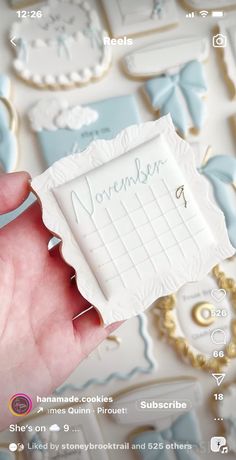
<point x="165" y="405"/>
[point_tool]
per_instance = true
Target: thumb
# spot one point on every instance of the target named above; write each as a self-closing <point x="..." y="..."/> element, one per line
<point x="14" y="189"/>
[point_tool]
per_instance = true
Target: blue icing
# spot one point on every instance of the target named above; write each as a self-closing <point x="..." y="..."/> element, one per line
<point x="221" y="171"/>
<point x="4" y="455"/>
<point x="163" y="93"/>
<point x="4" y="86"/>
<point x="185" y="429"/>
<point x="114" y="114"/>
<point x="8" y="143"/>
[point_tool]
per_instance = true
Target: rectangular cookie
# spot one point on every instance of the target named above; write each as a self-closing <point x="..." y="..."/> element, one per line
<point x="135" y="218"/>
<point x="64" y="129"/>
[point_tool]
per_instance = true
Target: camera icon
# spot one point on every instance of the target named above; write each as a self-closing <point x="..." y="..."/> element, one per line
<point x="219" y="41"/>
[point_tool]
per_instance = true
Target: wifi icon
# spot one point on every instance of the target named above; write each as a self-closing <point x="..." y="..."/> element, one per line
<point x="203" y="13"/>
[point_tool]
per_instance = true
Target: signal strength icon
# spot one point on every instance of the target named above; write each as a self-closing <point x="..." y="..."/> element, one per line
<point x="203" y="13"/>
<point x="190" y="15"/>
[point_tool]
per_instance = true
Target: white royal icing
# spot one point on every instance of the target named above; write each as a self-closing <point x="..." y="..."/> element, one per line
<point x="159" y="57"/>
<point x="137" y="16"/>
<point x="43" y="115"/>
<point x="55" y="113"/>
<point x="128" y="234"/>
<point x="76" y="117"/>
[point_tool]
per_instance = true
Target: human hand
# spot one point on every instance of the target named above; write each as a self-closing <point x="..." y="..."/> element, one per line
<point x="40" y="345"/>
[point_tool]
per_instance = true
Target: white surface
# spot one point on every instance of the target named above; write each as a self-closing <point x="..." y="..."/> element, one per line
<point x="130" y="238"/>
<point x="216" y="133"/>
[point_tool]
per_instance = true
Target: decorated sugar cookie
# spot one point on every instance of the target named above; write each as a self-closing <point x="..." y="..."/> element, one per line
<point x="21" y="3"/>
<point x="139" y="16"/>
<point x="221" y="171"/>
<point x="184" y="431"/>
<point x="77" y="425"/>
<point x="209" y="4"/>
<point x="158" y="57"/>
<point x="110" y="360"/>
<point x="225" y="43"/>
<point x="63" y="129"/>
<point x="8" y="126"/>
<point x="134" y="217"/>
<point x="178" y="82"/>
<point x="180" y="94"/>
<point x="184" y="389"/>
<point x="226" y="410"/>
<point x="63" y="48"/>
<point x="198" y="321"/>
<point x="157" y="424"/>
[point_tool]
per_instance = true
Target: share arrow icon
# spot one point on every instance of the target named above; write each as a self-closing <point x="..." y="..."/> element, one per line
<point x="219" y="378"/>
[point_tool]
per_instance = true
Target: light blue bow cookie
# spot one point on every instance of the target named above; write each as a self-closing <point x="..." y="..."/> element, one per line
<point x="184" y="430"/>
<point x="163" y="93"/>
<point x="221" y="171"/>
<point x="8" y="143"/>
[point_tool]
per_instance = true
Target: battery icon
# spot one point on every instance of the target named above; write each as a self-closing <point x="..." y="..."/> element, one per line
<point x="217" y="14"/>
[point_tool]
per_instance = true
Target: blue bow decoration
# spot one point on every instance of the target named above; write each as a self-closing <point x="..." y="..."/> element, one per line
<point x="163" y="93"/>
<point x="184" y="430"/>
<point x="157" y="9"/>
<point x="63" y="47"/>
<point x="221" y="171"/>
<point x="95" y="36"/>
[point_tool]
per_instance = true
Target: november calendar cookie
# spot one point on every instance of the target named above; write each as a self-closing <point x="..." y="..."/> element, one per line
<point x="139" y="16"/>
<point x="64" y="128"/>
<point x="62" y="48"/>
<point x="134" y="217"/>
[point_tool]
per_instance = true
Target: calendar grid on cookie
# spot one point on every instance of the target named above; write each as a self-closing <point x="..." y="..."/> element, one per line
<point x="124" y="252"/>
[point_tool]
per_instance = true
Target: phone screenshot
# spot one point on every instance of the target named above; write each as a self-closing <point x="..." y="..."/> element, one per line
<point x="117" y="229"/>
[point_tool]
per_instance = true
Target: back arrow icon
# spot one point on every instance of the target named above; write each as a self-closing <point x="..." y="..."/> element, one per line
<point x="12" y="41"/>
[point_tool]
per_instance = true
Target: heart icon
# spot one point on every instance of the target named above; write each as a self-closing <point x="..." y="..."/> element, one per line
<point x="218" y="294"/>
